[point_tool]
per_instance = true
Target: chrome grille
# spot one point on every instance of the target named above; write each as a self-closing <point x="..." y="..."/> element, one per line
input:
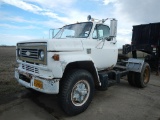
<point x="29" y="68"/>
<point x="29" y="53"/>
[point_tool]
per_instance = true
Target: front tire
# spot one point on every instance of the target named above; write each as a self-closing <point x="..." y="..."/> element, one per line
<point x="76" y="91"/>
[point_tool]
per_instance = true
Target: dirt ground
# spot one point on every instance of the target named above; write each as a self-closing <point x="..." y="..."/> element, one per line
<point x="119" y="102"/>
<point x="8" y="84"/>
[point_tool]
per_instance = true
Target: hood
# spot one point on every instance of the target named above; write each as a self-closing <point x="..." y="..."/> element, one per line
<point x="69" y="44"/>
<point x="34" y="41"/>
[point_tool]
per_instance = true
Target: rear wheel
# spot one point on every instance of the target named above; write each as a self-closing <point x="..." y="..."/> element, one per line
<point x="131" y="78"/>
<point x="76" y="91"/>
<point x="142" y="78"/>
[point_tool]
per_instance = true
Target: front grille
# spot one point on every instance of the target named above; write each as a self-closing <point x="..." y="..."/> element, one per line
<point x="29" y="53"/>
<point x="29" y="68"/>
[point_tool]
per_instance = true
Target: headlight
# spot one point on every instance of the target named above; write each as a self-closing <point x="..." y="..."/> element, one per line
<point x="41" y="55"/>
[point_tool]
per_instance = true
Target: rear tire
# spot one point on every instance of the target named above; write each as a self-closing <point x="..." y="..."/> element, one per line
<point x="142" y="78"/>
<point x="76" y="91"/>
<point x="131" y="78"/>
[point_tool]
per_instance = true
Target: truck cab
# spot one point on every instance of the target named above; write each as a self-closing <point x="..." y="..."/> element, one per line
<point x="95" y="42"/>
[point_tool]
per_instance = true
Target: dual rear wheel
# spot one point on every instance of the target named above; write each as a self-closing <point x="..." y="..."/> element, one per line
<point x="140" y="79"/>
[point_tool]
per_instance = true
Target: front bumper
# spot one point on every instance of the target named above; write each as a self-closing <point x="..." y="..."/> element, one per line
<point x="44" y="85"/>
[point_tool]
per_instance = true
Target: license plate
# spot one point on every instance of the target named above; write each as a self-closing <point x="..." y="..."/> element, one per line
<point x="38" y="84"/>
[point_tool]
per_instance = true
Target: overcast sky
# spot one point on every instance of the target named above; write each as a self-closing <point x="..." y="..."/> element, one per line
<point x="30" y="19"/>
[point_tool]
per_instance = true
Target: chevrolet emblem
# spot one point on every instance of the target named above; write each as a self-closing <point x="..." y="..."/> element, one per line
<point x="28" y="53"/>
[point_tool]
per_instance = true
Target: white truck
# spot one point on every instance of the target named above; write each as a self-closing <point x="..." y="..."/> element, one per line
<point x="79" y="58"/>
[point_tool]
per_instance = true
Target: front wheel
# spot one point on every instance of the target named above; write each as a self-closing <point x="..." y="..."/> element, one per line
<point x="76" y="91"/>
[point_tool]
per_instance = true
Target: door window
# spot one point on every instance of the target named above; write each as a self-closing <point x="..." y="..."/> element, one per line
<point x="100" y="31"/>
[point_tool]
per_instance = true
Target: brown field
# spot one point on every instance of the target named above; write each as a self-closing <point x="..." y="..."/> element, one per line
<point x="8" y="83"/>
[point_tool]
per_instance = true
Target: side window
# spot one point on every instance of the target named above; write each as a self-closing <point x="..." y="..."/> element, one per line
<point x="100" y="31"/>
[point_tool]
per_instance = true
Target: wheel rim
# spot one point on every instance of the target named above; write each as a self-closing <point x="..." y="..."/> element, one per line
<point x="146" y="75"/>
<point x="80" y="93"/>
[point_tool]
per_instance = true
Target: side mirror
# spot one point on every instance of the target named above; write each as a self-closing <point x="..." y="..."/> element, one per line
<point x="89" y="17"/>
<point x="53" y="32"/>
<point x="113" y="28"/>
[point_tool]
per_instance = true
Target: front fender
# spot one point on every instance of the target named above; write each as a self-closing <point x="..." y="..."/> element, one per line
<point x="81" y="61"/>
<point x="58" y="67"/>
<point x="69" y="58"/>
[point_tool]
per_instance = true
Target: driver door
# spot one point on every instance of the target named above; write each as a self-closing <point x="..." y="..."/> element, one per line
<point x="104" y="53"/>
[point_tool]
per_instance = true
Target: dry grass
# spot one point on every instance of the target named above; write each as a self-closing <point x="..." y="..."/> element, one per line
<point x="8" y="83"/>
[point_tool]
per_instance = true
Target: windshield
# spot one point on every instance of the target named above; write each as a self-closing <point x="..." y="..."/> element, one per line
<point x="79" y="30"/>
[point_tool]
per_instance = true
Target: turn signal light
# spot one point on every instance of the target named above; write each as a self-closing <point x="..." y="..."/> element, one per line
<point x="56" y="57"/>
